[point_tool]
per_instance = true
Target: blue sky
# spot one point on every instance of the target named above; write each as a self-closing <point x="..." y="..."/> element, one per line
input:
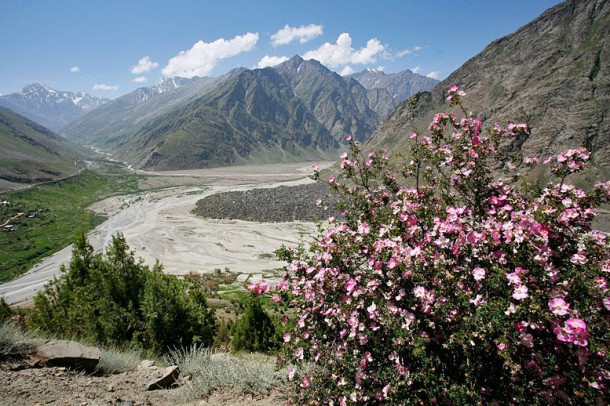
<point x="108" y="48"/>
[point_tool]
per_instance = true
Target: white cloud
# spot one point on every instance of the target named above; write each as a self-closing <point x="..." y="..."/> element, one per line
<point x="380" y="68"/>
<point x="99" y="86"/>
<point x="416" y="69"/>
<point x="270" y="61"/>
<point x="347" y="71"/>
<point x="403" y="53"/>
<point x="203" y="56"/>
<point x="140" y="79"/>
<point x="74" y="69"/>
<point x="342" y="53"/>
<point x="434" y="74"/>
<point x="417" y="48"/>
<point x="303" y="33"/>
<point x="144" y="65"/>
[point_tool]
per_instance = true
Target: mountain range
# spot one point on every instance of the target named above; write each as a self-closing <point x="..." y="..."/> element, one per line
<point x="552" y="73"/>
<point x="294" y="111"/>
<point x="49" y="107"/>
<point x="386" y="91"/>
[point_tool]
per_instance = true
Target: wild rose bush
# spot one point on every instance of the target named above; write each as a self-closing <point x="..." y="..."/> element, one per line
<point x="464" y="289"/>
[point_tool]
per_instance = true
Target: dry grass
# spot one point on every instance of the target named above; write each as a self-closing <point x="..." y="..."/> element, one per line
<point x="13" y="340"/>
<point x="212" y="371"/>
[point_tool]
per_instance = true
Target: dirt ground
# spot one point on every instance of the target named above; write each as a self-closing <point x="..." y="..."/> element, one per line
<point x="65" y="387"/>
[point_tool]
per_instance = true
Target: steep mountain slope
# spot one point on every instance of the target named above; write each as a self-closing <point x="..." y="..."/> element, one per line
<point x="253" y="117"/>
<point x="30" y="152"/>
<point x="553" y="73"/>
<point x="340" y="104"/>
<point x="299" y="110"/>
<point x="109" y="125"/>
<point x="398" y="86"/>
<point x="48" y="107"/>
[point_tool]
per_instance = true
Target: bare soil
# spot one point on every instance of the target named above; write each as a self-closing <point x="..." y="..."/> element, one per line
<point x="61" y="386"/>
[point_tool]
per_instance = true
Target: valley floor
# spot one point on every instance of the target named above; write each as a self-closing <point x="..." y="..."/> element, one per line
<point x="158" y="224"/>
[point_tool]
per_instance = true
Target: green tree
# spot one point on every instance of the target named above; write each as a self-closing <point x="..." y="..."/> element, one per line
<point x="254" y="331"/>
<point x="114" y="298"/>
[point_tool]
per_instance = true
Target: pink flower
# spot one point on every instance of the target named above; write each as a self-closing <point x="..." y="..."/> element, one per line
<point x="559" y="306"/>
<point x="574" y="331"/>
<point x="527" y="340"/>
<point x="348" y="138"/>
<point x="573" y="325"/>
<point x="478" y="300"/>
<point x="606" y="302"/>
<point x="364" y="229"/>
<point x="513" y="278"/>
<point x="259" y="288"/>
<point x="520" y="292"/>
<point x="315" y="166"/>
<point x="286" y="337"/>
<point x="291" y="372"/>
<point x="478" y="273"/>
<point x="350" y="285"/>
<point x="578" y="259"/>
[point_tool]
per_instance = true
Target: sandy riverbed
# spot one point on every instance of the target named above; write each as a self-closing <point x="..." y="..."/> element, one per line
<point x="159" y="225"/>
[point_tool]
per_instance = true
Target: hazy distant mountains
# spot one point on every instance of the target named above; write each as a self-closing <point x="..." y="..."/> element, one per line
<point x="553" y="73"/>
<point x="387" y="91"/>
<point x="297" y="110"/>
<point x="49" y="107"/>
<point x="30" y="152"/>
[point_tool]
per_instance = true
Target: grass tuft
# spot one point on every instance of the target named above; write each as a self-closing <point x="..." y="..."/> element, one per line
<point x="115" y="361"/>
<point x="13" y="340"/>
<point x="210" y="371"/>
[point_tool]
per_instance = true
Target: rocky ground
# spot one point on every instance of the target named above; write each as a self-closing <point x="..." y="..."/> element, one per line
<point x="62" y="386"/>
<point x="280" y="204"/>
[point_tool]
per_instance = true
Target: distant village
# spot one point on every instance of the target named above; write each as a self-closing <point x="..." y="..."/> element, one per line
<point x="6" y="226"/>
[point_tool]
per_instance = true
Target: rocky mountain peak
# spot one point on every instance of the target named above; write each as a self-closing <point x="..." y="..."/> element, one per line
<point x="552" y="73"/>
<point x="49" y="107"/>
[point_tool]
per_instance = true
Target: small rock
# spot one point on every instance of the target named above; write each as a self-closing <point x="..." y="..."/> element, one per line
<point x="147" y="363"/>
<point x="169" y="377"/>
<point x="110" y="388"/>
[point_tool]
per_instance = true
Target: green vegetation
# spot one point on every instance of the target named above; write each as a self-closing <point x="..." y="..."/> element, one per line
<point x="254" y="330"/>
<point x="52" y="214"/>
<point x="115" y="299"/>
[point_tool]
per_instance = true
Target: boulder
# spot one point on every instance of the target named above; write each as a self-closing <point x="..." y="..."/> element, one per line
<point x="170" y="376"/>
<point x="65" y="353"/>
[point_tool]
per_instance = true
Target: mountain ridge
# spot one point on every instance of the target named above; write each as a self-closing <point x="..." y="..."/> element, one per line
<point x="30" y="152"/>
<point x="552" y="73"/>
<point x="49" y="107"/>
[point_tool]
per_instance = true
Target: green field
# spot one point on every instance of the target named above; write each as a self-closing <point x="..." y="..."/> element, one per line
<point x="52" y="214"/>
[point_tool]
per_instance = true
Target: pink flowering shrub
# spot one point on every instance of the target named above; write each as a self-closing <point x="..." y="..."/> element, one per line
<point x="464" y="289"/>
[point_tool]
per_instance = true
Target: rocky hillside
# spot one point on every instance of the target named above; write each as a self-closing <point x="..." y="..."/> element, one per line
<point x="299" y="110"/>
<point x="340" y="104"/>
<point x="49" y="107"/>
<point x="245" y="119"/>
<point x="553" y="73"/>
<point x="387" y="90"/>
<point x="32" y="153"/>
